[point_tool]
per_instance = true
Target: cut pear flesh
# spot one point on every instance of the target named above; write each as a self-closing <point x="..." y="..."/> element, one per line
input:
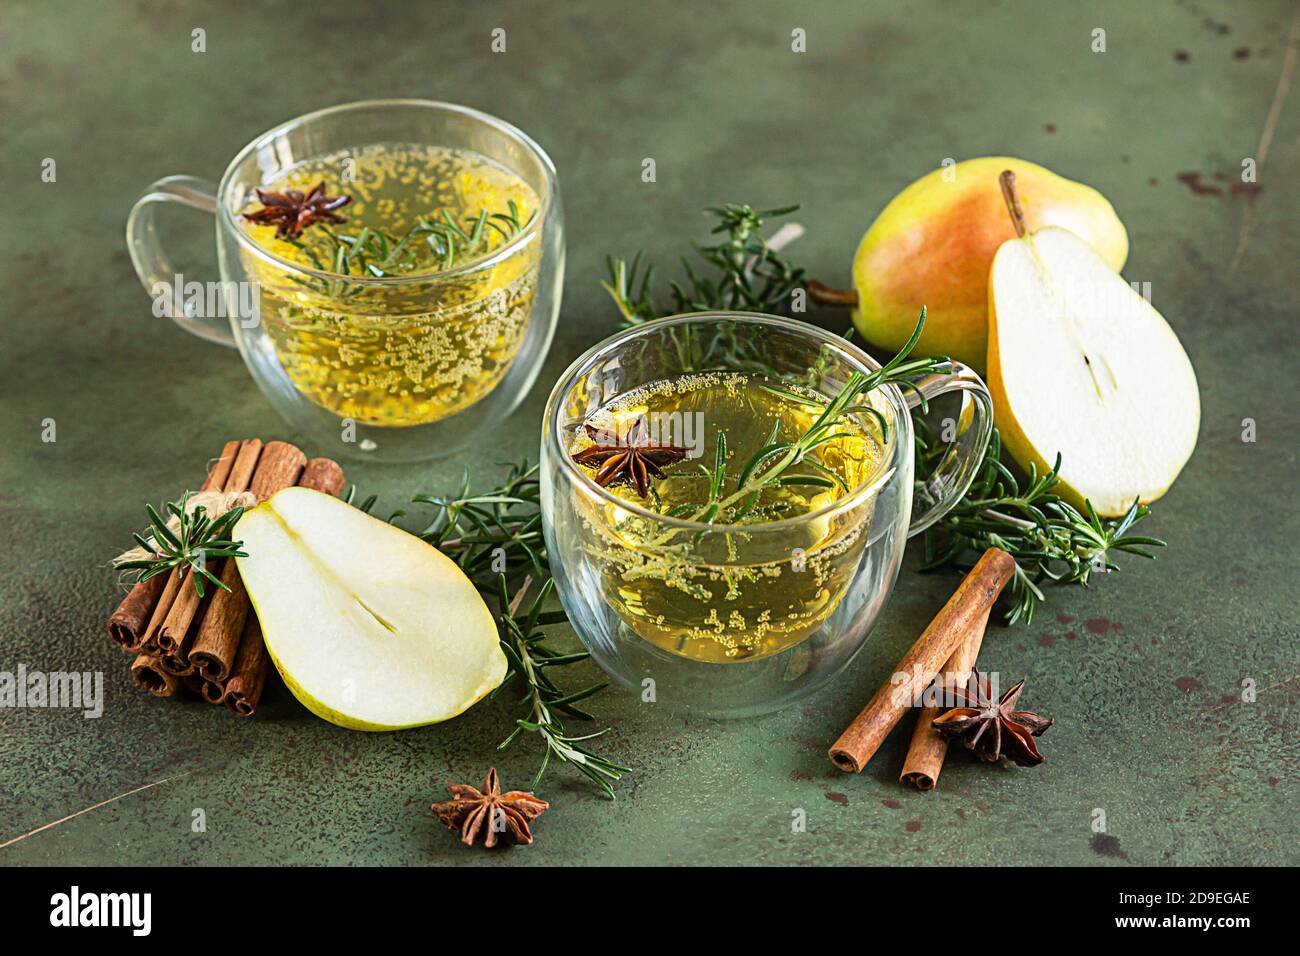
<point x="1081" y="364"/>
<point x="370" y="627"/>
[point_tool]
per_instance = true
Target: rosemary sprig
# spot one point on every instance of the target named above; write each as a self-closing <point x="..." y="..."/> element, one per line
<point x="491" y="532"/>
<point x="531" y="659"/>
<point x="373" y="253"/>
<point x="1052" y="542"/>
<point x="495" y="536"/>
<point x="196" y="538"/>
<point x="750" y="274"/>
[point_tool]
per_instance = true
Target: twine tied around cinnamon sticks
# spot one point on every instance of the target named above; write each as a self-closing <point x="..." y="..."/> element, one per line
<point x="949" y="645"/>
<point x="213" y="646"/>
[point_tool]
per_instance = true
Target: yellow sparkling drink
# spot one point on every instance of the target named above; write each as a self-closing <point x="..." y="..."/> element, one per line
<point x="429" y="333"/>
<point x="731" y="592"/>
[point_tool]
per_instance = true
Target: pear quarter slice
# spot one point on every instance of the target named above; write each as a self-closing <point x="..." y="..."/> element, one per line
<point x="370" y="627"/>
<point x="1080" y="364"/>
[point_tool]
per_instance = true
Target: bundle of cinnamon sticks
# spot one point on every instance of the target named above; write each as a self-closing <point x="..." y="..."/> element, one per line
<point x="213" y="645"/>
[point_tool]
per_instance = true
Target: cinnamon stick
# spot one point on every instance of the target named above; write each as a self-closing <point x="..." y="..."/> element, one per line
<point x="217" y="639"/>
<point x="128" y="627"/>
<point x="323" y="474"/>
<point x="973" y="597"/>
<point x="244" y="689"/>
<point x="175" y="665"/>
<point x="174" y="634"/>
<point x="213" y="652"/>
<point x="165" y="602"/>
<point x="926" y="752"/>
<point x="279" y="467"/>
<point x="148" y="675"/>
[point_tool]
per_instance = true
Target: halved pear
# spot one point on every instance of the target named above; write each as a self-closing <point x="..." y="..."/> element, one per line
<point x="1080" y="364"/>
<point x="370" y="627"/>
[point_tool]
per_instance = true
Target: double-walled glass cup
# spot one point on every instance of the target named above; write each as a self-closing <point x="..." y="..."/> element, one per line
<point x="798" y="595"/>
<point x="390" y="368"/>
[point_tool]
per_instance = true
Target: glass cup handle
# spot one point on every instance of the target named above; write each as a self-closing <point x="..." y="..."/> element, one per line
<point x="934" y="497"/>
<point x="155" y="270"/>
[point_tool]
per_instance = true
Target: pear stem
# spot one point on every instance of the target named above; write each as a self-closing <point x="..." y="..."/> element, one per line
<point x="825" y="295"/>
<point x="1008" y="182"/>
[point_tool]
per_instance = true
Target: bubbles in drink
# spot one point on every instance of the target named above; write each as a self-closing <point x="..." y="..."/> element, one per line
<point x="443" y="306"/>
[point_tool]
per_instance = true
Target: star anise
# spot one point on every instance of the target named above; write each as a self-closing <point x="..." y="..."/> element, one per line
<point x="994" y="728"/>
<point x="633" y="459"/>
<point x="291" y="212"/>
<point x="484" y="816"/>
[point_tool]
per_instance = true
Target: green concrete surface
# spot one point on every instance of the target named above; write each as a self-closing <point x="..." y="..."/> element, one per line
<point x="1143" y="672"/>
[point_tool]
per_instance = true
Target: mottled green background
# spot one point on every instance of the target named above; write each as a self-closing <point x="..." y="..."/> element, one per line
<point x="1142" y="673"/>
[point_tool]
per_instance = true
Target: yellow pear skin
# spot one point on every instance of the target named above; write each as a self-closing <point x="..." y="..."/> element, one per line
<point x="935" y="241"/>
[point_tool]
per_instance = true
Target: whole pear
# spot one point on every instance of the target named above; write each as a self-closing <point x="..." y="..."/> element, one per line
<point x="933" y="245"/>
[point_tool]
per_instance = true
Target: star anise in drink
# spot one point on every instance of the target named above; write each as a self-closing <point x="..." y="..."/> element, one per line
<point x="487" y="815"/>
<point x="632" y="459"/>
<point x="994" y="728"/>
<point x="291" y="211"/>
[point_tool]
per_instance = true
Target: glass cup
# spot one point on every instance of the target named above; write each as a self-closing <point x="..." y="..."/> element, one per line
<point x="399" y="368"/>
<point x="798" y="595"/>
